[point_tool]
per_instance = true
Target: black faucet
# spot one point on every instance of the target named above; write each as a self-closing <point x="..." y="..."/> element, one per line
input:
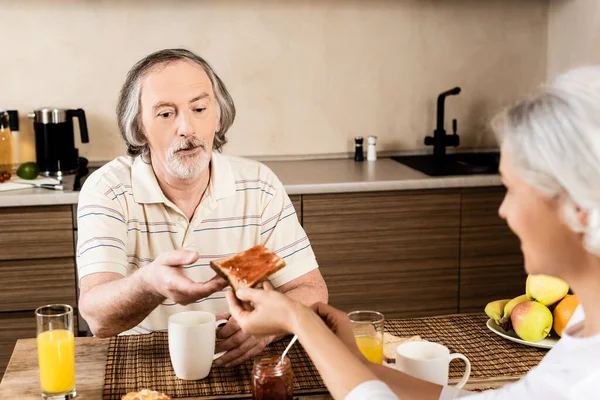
<point x="440" y="140"/>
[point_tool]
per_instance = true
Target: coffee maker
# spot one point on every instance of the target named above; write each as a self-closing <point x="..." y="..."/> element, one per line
<point x="55" y="149"/>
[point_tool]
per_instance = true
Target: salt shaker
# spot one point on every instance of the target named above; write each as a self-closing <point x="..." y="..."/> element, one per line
<point x="358" y="148"/>
<point x="371" y="151"/>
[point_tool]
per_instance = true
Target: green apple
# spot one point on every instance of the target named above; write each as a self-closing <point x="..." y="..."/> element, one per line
<point x="531" y="320"/>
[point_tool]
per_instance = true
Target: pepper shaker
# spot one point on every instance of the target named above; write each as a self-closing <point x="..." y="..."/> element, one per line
<point x="371" y="151"/>
<point x="358" y="148"/>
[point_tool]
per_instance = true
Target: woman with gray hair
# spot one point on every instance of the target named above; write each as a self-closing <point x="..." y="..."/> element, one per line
<point x="550" y="166"/>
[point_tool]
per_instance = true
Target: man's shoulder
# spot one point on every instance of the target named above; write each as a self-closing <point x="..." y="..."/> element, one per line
<point x="245" y="169"/>
<point x="111" y="174"/>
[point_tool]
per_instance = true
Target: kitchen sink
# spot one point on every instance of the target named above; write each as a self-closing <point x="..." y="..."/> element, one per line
<point x="453" y="164"/>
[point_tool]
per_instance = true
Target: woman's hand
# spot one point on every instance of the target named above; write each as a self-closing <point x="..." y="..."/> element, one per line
<point x="339" y="323"/>
<point x="273" y="313"/>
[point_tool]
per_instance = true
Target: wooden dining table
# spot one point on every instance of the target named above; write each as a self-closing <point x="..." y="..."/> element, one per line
<point x="21" y="379"/>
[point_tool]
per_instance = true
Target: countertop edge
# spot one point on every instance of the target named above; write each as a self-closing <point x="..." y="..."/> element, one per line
<point x="413" y="184"/>
<point x="41" y="197"/>
<point x="38" y="199"/>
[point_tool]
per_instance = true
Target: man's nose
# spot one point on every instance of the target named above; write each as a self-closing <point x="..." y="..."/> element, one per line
<point x="185" y="126"/>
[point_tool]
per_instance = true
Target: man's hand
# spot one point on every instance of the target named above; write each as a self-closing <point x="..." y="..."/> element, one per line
<point x="165" y="277"/>
<point x="239" y="346"/>
<point x="340" y="324"/>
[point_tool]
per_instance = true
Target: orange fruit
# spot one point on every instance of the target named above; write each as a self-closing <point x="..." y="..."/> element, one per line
<point x="563" y="313"/>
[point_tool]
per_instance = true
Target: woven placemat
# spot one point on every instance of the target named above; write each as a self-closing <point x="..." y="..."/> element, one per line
<point x="137" y="362"/>
<point x="142" y="361"/>
<point x="489" y="354"/>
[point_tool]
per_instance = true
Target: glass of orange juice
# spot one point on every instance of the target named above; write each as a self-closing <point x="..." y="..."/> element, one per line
<point x="56" y="351"/>
<point x="368" y="332"/>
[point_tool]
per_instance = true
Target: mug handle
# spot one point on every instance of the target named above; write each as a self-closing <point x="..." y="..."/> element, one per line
<point x="467" y="373"/>
<point x="219" y="324"/>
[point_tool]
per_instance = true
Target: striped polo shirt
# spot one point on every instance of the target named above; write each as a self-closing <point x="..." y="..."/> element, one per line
<point x="125" y="222"/>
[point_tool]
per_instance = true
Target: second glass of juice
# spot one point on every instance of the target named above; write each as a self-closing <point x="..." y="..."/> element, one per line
<point x="368" y="332"/>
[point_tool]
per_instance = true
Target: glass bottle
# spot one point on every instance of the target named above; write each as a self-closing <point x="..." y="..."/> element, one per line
<point x="272" y="380"/>
<point x="6" y="143"/>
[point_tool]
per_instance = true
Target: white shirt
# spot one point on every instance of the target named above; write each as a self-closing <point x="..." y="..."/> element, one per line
<point x="125" y="222"/>
<point x="570" y="371"/>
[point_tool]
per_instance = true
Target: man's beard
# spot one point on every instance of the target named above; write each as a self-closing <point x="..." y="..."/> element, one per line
<point x="187" y="166"/>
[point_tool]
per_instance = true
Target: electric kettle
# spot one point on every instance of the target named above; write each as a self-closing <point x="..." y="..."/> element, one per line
<point x="55" y="149"/>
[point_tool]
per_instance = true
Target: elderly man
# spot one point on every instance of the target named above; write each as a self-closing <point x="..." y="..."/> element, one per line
<point x="150" y="223"/>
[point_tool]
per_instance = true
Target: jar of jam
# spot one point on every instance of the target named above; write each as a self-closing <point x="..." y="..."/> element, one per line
<point x="272" y="380"/>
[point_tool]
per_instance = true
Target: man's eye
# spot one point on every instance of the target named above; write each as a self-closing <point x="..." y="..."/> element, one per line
<point x="199" y="110"/>
<point x="165" y="115"/>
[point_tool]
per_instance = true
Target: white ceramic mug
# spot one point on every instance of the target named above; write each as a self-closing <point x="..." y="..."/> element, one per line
<point x="192" y="337"/>
<point x="429" y="361"/>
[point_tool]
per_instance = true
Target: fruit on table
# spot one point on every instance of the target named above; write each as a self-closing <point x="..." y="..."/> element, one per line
<point x="531" y="320"/>
<point x="495" y="309"/>
<point x="28" y="170"/>
<point x="505" y="320"/>
<point x="563" y="313"/>
<point x="545" y="289"/>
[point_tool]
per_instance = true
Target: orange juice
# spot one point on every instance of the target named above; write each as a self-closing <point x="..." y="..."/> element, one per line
<point x="371" y="348"/>
<point x="56" y="355"/>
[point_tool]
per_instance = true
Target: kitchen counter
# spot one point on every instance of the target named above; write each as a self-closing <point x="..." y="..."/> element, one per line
<point x="300" y="177"/>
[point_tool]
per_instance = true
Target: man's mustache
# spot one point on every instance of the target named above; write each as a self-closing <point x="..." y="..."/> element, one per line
<point x="188" y="144"/>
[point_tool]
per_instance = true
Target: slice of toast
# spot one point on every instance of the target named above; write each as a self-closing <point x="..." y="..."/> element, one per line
<point x="391" y="342"/>
<point x="248" y="268"/>
<point x="145" y="394"/>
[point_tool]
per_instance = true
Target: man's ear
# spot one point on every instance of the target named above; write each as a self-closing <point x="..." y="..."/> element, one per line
<point x="218" y="116"/>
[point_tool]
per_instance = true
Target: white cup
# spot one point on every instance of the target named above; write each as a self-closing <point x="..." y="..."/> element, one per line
<point x="192" y="337"/>
<point x="429" y="361"/>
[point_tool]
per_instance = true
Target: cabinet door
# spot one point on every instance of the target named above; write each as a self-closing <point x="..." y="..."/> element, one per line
<point x="394" y="252"/>
<point x="36" y="218"/>
<point x="36" y="232"/>
<point x="28" y="284"/>
<point x="14" y="326"/>
<point x="491" y="262"/>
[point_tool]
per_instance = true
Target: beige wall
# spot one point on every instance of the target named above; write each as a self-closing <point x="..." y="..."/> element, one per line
<point x="307" y="76"/>
<point x="573" y="34"/>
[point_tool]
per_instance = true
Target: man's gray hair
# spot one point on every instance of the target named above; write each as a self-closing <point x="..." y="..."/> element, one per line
<point x="553" y="139"/>
<point x="128" y="106"/>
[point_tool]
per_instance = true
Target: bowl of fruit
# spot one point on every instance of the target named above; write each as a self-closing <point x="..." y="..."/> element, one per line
<point x="536" y="318"/>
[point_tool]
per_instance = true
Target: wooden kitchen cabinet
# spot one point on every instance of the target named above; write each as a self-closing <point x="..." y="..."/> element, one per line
<point x="36" y="232"/>
<point x="28" y="284"/>
<point x="37" y="267"/>
<point x="491" y="262"/>
<point x="36" y="218"/>
<point x="394" y="252"/>
<point x="14" y="326"/>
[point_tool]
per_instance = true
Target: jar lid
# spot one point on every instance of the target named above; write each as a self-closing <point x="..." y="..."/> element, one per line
<point x="270" y="366"/>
